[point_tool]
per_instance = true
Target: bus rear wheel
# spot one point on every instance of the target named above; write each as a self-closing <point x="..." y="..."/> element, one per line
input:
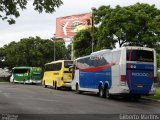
<point x="136" y="97"/>
<point x="53" y="84"/>
<point x="44" y="84"/>
<point x="56" y="86"/>
<point x="24" y="82"/>
<point x="13" y="81"/>
<point x="101" y="91"/>
<point x="106" y="93"/>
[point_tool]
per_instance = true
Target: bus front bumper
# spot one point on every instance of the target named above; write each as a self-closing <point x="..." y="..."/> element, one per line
<point x="67" y="84"/>
<point x="125" y="90"/>
<point x="33" y="81"/>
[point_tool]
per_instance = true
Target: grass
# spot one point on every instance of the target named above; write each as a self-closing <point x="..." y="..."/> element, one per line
<point x="156" y="96"/>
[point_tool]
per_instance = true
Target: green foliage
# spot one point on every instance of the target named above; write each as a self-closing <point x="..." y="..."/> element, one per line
<point x="9" y="9"/>
<point x="2" y="53"/>
<point x="61" y="51"/>
<point x="137" y="24"/>
<point x="32" y="52"/>
<point x="68" y="52"/>
<point x="82" y="43"/>
<point x="156" y="96"/>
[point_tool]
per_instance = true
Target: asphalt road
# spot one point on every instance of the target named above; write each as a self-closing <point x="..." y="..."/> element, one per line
<point x="30" y="100"/>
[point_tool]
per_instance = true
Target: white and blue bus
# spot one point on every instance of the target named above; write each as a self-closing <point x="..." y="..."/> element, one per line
<point x="124" y="71"/>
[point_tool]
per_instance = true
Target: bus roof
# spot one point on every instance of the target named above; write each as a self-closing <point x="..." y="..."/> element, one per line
<point x="57" y="61"/>
<point x="117" y="49"/>
<point x="101" y="52"/>
<point x="23" y="67"/>
<point x="137" y="47"/>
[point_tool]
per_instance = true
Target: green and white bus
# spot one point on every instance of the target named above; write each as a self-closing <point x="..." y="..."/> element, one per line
<point x="26" y="75"/>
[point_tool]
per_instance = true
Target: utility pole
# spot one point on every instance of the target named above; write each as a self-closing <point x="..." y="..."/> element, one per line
<point x="70" y="40"/>
<point x="54" y="46"/>
<point x="93" y="9"/>
<point x="72" y="50"/>
<point x="54" y="50"/>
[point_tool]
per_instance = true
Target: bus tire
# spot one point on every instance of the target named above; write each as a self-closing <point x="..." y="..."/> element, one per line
<point x="101" y="91"/>
<point x="13" y="82"/>
<point x="53" y="83"/>
<point x="24" y="82"/>
<point x="56" y="86"/>
<point x="106" y="93"/>
<point x="45" y="86"/>
<point x="136" y="97"/>
<point x="77" y="89"/>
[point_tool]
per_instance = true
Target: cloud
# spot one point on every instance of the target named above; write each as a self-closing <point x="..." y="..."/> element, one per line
<point x="31" y="23"/>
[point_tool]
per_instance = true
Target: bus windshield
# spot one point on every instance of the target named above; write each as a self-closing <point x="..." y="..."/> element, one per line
<point x="36" y="74"/>
<point x="140" y="55"/>
<point x="21" y="71"/>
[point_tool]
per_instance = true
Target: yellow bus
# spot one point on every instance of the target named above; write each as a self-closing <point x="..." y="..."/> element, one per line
<point x="57" y="74"/>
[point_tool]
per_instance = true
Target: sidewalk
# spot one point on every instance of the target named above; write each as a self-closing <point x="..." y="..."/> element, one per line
<point x="155" y="100"/>
<point x="155" y="97"/>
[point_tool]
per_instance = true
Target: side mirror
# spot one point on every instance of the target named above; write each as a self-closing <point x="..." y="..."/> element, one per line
<point x="70" y="69"/>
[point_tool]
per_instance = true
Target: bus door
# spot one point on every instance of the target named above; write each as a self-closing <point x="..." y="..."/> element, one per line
<point x="140" y="71"/>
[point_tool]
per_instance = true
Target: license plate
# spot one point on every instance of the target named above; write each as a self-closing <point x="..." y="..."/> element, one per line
<point x="140" y="86"/>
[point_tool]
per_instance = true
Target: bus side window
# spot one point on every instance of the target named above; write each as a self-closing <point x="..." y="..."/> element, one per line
<point x="128" y="54"/>
<point x="108" y="57"/>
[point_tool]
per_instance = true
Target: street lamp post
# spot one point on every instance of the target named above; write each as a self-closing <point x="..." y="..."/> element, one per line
<point x="54" y="47"/>
<point x="93" y="9"/>
<point x="72" y="49"/>
<point x="54" y="50"/>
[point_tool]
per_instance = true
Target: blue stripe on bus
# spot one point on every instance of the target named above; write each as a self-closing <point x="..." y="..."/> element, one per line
<point x="93" y="79"/>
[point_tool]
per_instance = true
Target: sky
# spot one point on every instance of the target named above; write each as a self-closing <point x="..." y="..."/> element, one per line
<point x="32" y="24"/>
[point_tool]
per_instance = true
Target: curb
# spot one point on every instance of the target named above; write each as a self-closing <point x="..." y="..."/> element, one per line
<point x="4" y="82"/>
<point x="151" y="99"/>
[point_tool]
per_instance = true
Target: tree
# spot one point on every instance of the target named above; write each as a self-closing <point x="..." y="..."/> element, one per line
<point x="2" y="58"/>
<point x="32" y="52"/>
<point x="68" y="52"/>
<point x="9" y="9"/>
<point x="137" y="24"/>
<point x="82" y="43"/>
